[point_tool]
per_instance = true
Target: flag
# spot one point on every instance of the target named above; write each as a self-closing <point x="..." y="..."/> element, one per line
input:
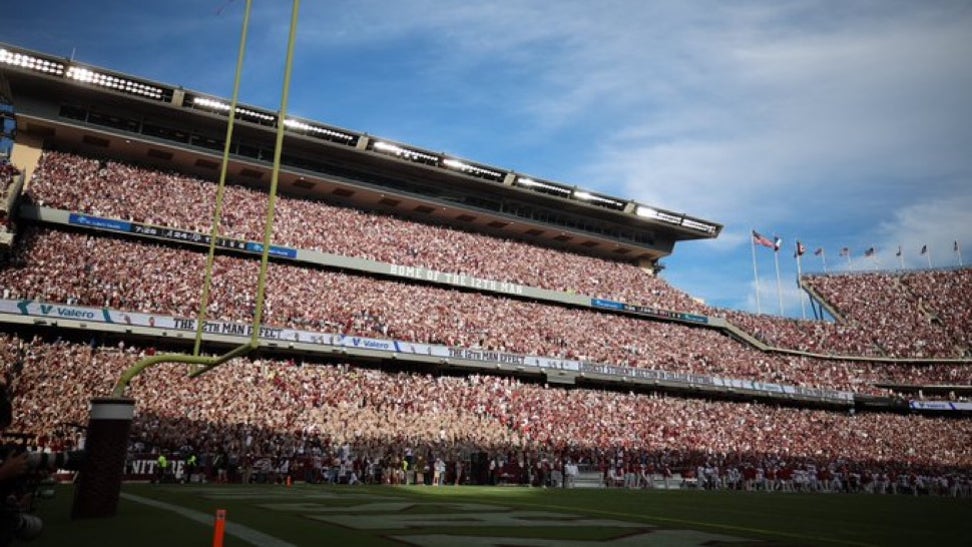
<point x="924" y="249"/>
<point x="845" y="252"/>
<point x="955" y="246"/>
<point x="777" y="243"/>
<point x="760" y="239"/>
<point x="800" y="249"/>
<point x="899" y="251"/>
<point x="869" y="252"/>
<point x="818" y="252"/>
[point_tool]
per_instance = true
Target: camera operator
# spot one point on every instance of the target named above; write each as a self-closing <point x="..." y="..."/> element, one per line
<point x="13" y="467"/>
<point x="14" y="522"/>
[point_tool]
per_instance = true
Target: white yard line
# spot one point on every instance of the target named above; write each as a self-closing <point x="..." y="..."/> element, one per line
<point x="245" y="533"/>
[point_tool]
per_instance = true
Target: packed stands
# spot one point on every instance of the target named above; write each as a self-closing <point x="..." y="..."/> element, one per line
<point x="271" y="408"/>
<point x="7" y="174"/>
<point x="912" y="314"/>
<point x="900" y="310"/>
<point x="113" y="189"/>
<point x="94" y="270"/>
<point x="118" y="190"/>
<point x="823" y="337"/>
<point x="284" y="408"/>
<point x="898" y="318"/>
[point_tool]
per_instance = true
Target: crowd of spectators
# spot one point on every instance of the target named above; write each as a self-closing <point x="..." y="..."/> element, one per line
<point x="909" y="314"/>
<point x="931" y="308"/>
<point x="884" y="315"/>
<point x="118" y="190"/>
<point x="94" y="270"/>
<point x="287" y="408"/>
<point x="7" y="175"/>
<point x="269" y="408"/>
<point x="259" y="408"/>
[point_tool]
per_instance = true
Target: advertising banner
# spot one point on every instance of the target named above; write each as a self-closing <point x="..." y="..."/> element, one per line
<point x="175" y="234"/>
<point x="332" y="340"/>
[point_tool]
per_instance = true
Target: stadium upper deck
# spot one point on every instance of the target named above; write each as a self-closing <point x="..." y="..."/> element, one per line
<point x="89" y="109"/>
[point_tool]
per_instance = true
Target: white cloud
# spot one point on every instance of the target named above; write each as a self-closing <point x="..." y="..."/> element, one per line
<point x="812" y="120"/>
<point x="937" y="223"/>
<point x="838" y="123"/>
<point x="834" y="123"/>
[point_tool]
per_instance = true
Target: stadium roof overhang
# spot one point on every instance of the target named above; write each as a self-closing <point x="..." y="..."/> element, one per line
<point x="174" y="129"/>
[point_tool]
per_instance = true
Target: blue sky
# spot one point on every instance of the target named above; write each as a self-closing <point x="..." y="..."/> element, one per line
<point x="841" y="123"/>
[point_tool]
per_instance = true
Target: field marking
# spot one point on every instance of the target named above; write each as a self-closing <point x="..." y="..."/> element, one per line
<point x="247" y="534"/>
<point x="812" y="539"/>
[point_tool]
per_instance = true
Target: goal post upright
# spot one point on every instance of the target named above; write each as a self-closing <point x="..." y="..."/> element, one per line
<point x="224" y="167"/>
<point x="100" y="499"/>
<point x="204" y="364"/>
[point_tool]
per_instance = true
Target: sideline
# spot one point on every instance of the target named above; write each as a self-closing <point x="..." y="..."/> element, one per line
<point x="245" y="533"/>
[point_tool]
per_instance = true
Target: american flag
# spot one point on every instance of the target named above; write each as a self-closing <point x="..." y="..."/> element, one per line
<point x="760" y="239"/>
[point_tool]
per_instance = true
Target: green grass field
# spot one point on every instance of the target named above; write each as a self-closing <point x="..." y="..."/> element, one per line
<point x="310" y="515"/>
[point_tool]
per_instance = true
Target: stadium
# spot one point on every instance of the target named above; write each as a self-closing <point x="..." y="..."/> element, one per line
<point x="434" y="321"/>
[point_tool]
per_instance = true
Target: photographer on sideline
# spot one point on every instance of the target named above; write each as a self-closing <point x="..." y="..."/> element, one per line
<point x="12" y="521"/>
<point x="13" y="467"/>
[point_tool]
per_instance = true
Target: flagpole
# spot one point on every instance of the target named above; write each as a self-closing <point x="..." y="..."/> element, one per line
<point x="752" y="246"/>
<point x="803" y="303"/>
<point x="900" y="258"/>
<point x="958" y="251"/>
<point x="823" y="258"/>
<point x="779" y="284"/>
<point x="847" y="254"/>
<point x="928" y="255"/>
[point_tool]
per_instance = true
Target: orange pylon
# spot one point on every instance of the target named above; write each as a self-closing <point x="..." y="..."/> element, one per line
<point x="220" y="528"/>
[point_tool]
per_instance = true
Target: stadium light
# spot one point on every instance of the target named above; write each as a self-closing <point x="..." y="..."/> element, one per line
<point x="30" y="62"/>
<point x="123" y="85"/>
<point x="405" y="153"/>
<point x="294" y="124"/>
<point x="530" y="183"/>
<point x="587" y="196"/>
<point x="696" y="225"/>
<point x="210" y="103"/>
<point x="317" y="130"/>
<point x="241" y="112"/>
<point x="648" y="212"/>
<point x="386" y="147"/>
<point x="246" y="112"/>
<point x="471" y="169"/>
